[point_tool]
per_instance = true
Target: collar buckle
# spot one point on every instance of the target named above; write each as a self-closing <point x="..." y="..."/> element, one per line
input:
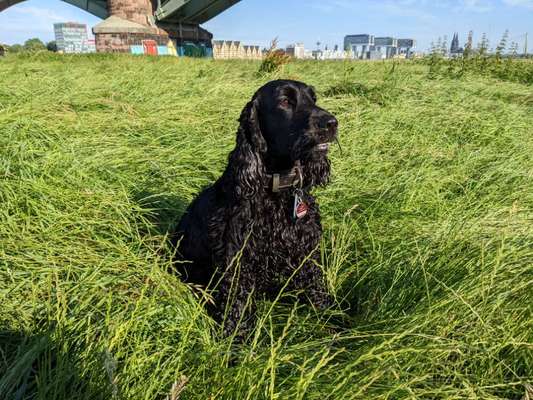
<point x="292" y="179"/>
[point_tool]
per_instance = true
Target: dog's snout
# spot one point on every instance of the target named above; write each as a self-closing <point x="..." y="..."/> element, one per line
<point x="326" y="121"/>
<point x="332" y="124"/>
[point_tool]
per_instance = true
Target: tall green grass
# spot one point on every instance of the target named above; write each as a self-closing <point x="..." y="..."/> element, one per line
<point x="505" y="69"/>
<point x="427" y="247"/>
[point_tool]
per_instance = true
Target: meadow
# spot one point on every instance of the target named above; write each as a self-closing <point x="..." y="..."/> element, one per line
<point x="427" y="248"/>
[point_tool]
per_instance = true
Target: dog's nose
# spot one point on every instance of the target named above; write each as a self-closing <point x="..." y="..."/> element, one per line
<point x="332" y="124"/>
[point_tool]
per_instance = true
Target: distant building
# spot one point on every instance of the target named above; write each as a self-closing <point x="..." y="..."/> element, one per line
<point x="296" y="50"/>
<point x="252" y="52"/>
<point x="231" y="49"/>
<point x="91" y="45"/>
<point x="385" y="46"/>
<point x="359" y="45"/>
<point x="368" y="47"/>
<point x="455" y="50"/>
<point x="317" y="54"/>
<point x="71" y="37"/>
<point x="405" y="47"/>
<point x="329" y="54"/>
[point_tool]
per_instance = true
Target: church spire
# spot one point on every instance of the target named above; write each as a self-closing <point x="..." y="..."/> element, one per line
<point x="454" y="48"/>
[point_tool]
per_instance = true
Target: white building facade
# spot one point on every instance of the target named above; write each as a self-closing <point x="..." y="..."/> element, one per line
<point x="296" y="50"/>
<point x="71" y="38"/>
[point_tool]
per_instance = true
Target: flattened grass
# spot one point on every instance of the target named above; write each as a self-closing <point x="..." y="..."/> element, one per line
<point x="427" y="246"/>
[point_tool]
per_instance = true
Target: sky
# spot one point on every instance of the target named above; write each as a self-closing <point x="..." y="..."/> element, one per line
<point x="311" y="21"/>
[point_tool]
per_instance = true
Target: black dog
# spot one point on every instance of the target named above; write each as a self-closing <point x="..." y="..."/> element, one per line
<point x="257" y="225"/>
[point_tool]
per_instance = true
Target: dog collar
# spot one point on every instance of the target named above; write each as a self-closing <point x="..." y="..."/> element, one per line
<point x="291" y="179"/>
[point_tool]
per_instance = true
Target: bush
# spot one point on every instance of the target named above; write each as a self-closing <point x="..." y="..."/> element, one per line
<point x="274" y="59"/>
<point x="34" y="44"/>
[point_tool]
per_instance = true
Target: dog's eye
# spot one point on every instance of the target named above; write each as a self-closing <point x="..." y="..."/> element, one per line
<point x="284" y="102"/>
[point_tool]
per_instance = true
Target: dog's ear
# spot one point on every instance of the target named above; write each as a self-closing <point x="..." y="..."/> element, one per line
<point x="249" y="126"/>
<point x="245" y="165"/>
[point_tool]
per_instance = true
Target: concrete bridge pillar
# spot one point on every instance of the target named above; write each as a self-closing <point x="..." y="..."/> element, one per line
<point x="132" y="22"/>
<point x="139" y="11"/>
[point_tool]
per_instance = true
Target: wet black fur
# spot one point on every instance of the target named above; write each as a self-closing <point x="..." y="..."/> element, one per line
<point x="241" y="235"/>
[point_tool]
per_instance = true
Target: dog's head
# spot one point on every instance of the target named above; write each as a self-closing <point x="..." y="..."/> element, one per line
<point x="283" y="124"/>
<point x="293" y="126"/>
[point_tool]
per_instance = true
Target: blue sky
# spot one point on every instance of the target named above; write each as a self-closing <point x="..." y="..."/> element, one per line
<point x="309" y="21"/>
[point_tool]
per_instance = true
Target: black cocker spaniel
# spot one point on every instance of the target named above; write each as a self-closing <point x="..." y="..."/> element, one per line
<point x="258" y="226"/>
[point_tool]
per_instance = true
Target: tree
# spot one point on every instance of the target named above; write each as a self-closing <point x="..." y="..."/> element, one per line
<point x="468" y="46"/>
<point x="503" y="44"/>
<point x="444" y="46"/>
<point x="483" y="46"/>
<point x="16" y="48"/>
<point x="34" y="44"/>
<point x="52" y="46"/>
<point x="437" y="49"/>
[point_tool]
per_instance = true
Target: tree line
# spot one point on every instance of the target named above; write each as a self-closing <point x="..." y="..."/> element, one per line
<point x="32" y="45"/>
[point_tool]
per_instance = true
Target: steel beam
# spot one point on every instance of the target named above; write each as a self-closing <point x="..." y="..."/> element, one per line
<point x="95" y="7"/>
<point x="171" y="11"/>
<point x="192" y="11"/>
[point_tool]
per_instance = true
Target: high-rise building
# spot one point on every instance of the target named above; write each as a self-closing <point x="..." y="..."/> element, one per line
<point x="368" y="47"/>
<point x="405" y="47"/>
<point x="359" y="45"/>
<point x="386" y="46"/>
<point x="296" y="50"/>
<point x="71" y="37"/>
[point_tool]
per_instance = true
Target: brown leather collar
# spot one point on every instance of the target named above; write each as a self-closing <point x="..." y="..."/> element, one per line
<point x="291" y="179"/>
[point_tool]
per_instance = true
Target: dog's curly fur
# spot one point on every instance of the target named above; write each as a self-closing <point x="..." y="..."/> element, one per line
<point x="241" y="235"/>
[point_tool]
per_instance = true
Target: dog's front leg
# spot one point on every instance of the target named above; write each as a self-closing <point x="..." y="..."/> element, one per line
<point x="234" y="297"/>
<point x="311" y="283"/>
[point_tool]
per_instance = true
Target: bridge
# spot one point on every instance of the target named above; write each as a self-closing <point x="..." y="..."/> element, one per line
<point x="129" y="22"/>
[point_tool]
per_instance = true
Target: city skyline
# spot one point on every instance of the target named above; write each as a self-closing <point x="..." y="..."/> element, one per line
<point x="313" y="21"/>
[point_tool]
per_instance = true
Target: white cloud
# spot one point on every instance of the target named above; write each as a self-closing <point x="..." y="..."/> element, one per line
<point x="479" y="6"/>
<point x="520" y="3"/>
<point x="43" y="14"/>
<point x="334" y="5"/>
<point x="402" y="9"/>
<point x="23" y="21"/>
<point x="397" y="8"/>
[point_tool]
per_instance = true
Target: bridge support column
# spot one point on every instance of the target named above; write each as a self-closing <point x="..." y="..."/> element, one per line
<point x="130" y="23"/>
<point x="139" y="11"/>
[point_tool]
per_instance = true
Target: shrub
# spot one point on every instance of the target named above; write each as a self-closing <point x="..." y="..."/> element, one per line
<point x="274" y="59"/>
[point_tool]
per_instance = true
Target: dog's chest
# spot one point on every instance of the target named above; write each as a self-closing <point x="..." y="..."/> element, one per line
<point x="288" y="226"/>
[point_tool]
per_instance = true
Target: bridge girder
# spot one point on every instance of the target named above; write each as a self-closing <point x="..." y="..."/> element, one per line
<point x="186" y="11"/>
<point x="191" y="11"/>
<point x="94" y="7"/>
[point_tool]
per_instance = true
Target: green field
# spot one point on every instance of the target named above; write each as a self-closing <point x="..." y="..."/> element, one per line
<point x="428" y="234"/>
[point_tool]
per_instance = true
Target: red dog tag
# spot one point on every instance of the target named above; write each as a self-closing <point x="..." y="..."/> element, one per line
<point x="300" y="207"/>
